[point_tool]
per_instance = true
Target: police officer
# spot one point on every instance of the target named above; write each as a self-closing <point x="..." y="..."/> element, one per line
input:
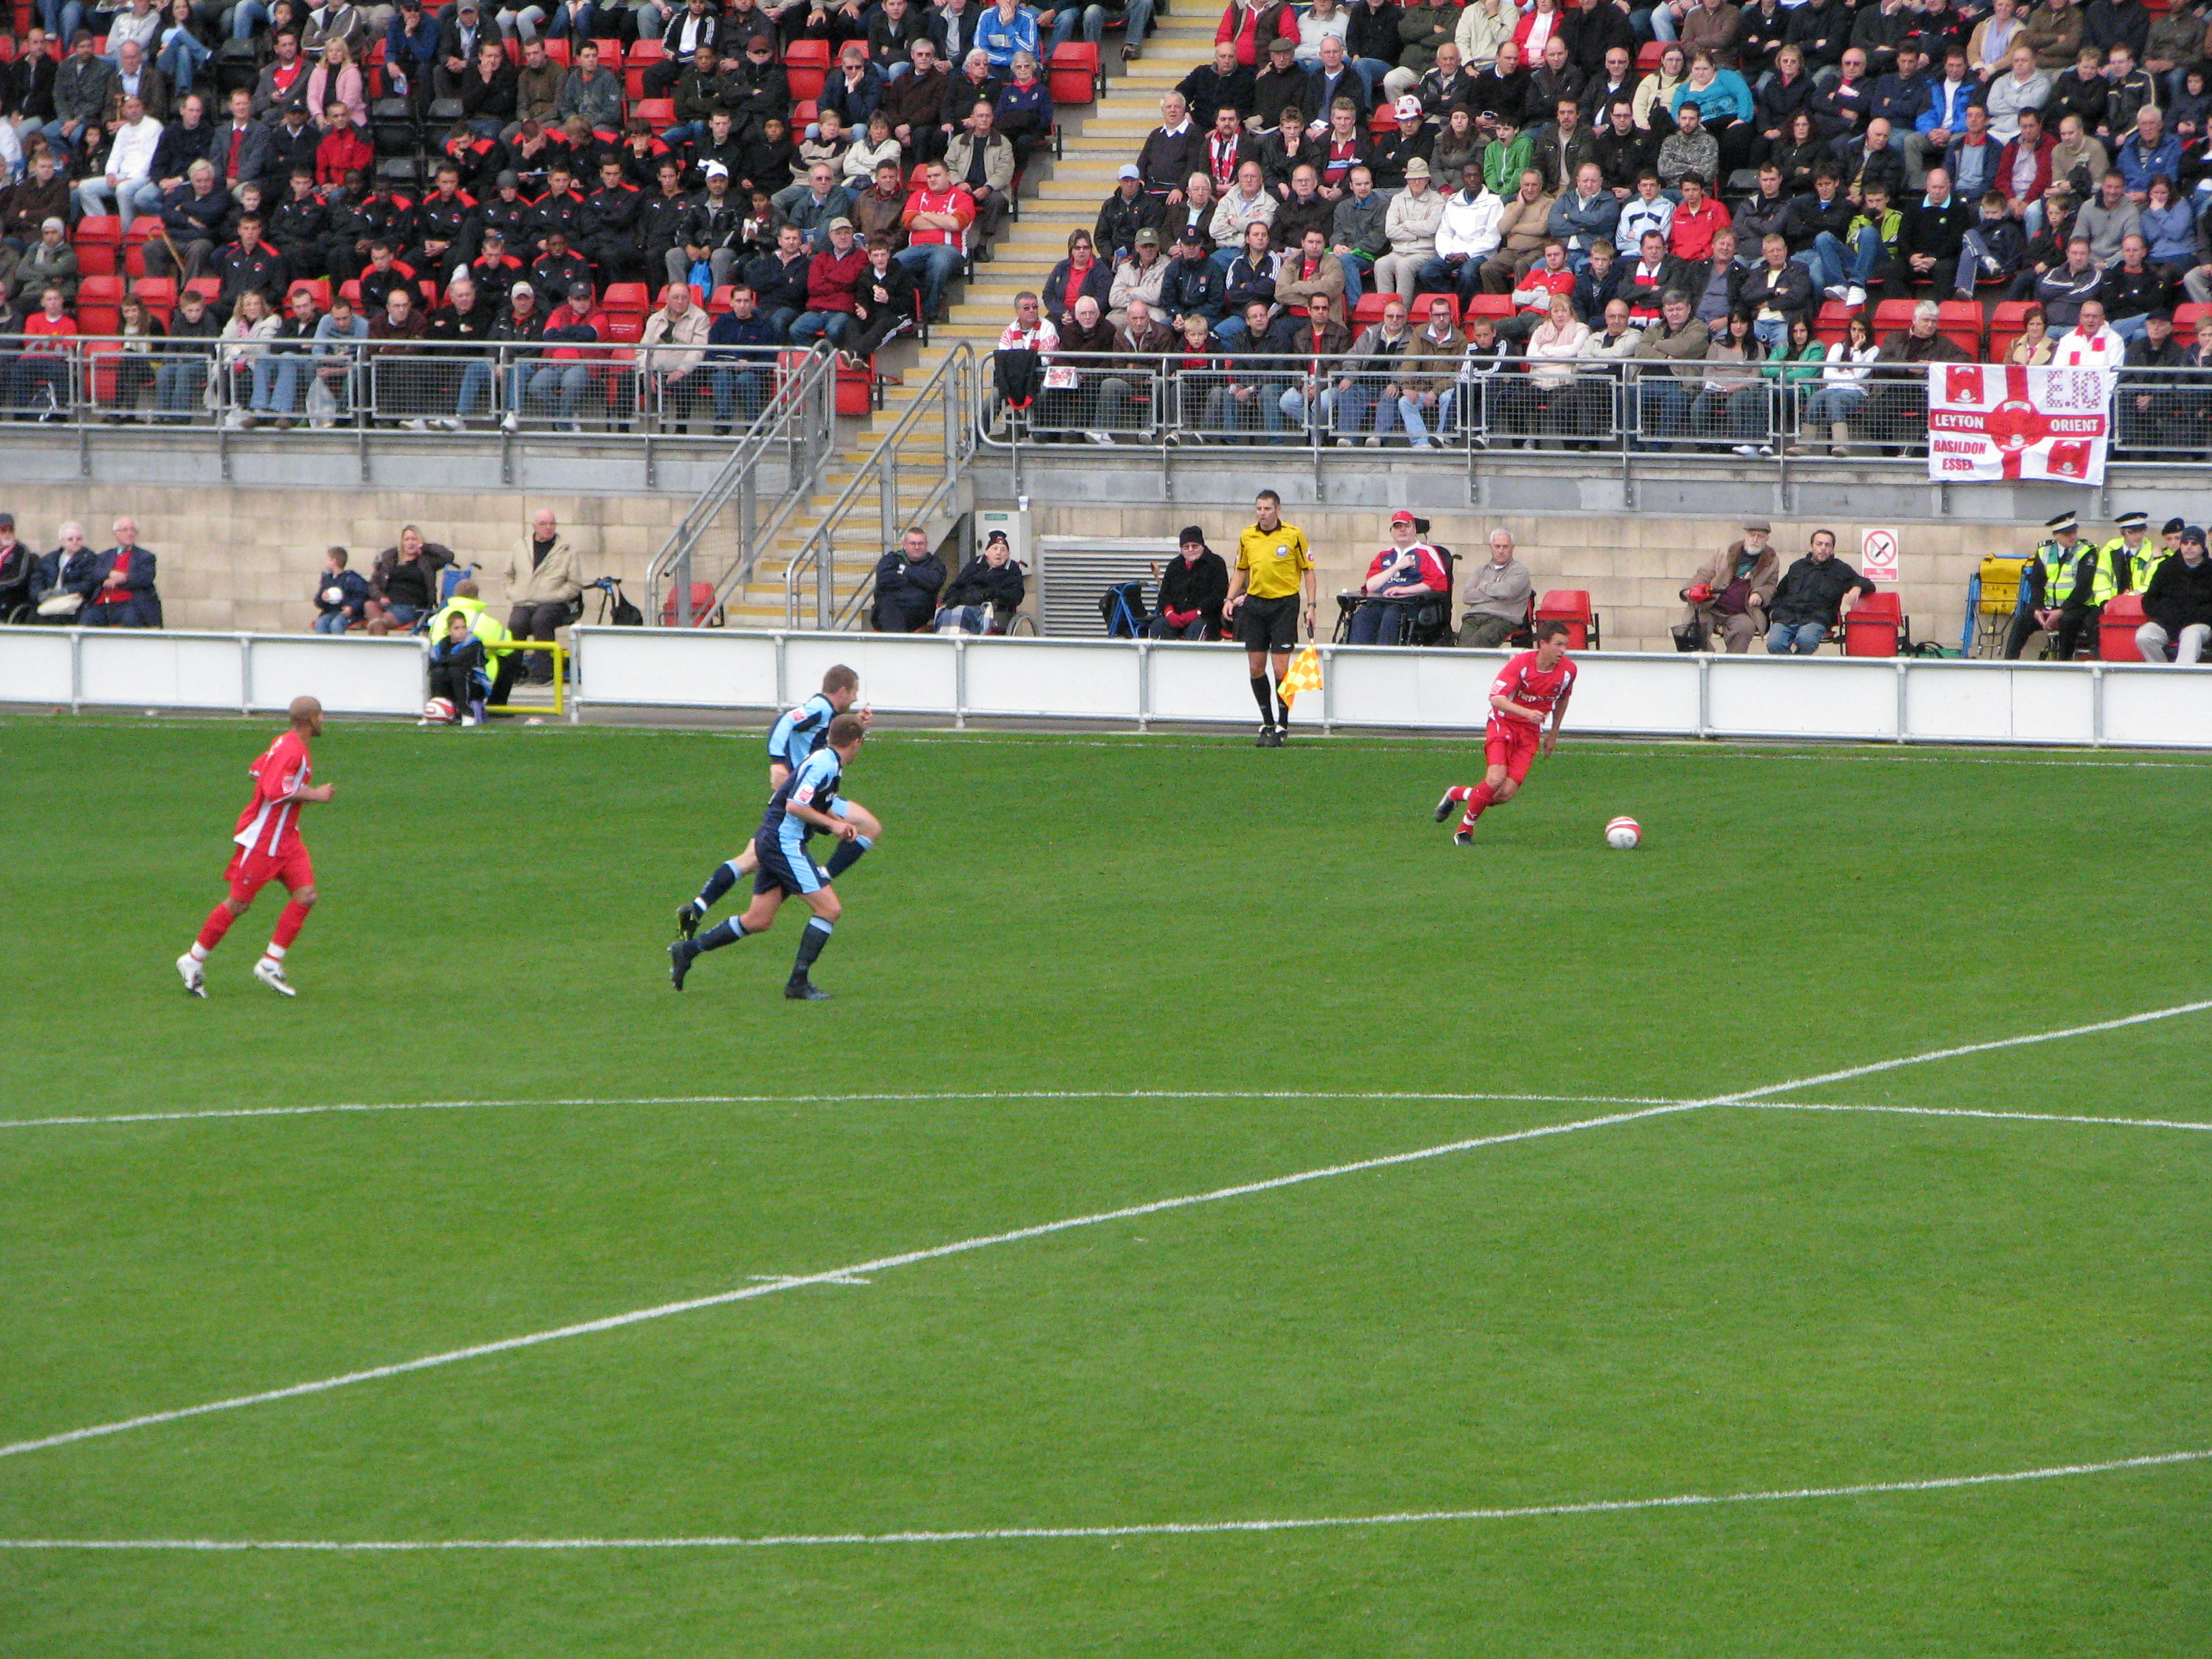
<point x="2147" y="558"/>
<point x="2127" y="556"/>
<point x="2056" y="586"/>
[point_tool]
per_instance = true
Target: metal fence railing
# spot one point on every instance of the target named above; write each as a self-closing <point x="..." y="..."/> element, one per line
<point x="1461" y="408"/>
<point x="777" y="462"/>
<point x="914" y="476"/>
<point x="602" y="391"/>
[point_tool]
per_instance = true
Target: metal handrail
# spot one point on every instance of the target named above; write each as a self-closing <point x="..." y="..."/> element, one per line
<point x="797" y="424"/>
<point x="952" y="395"/>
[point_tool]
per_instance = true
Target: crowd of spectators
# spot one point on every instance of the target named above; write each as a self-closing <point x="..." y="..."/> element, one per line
<point x="234" y="148"/>
<point x="1688" y="184"/>
<point x="72" y="585"/>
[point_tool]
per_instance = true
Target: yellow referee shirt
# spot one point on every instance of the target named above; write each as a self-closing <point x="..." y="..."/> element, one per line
<point x="1273" y="561"/>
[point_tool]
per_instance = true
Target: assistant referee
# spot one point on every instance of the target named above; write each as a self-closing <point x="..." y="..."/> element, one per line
<point x="1273" y="563"/>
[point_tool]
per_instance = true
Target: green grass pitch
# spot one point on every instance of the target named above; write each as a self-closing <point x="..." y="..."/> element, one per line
<point x="1079" y="975"/>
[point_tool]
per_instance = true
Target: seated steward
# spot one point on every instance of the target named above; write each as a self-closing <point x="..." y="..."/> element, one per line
<point x="908" y="580"/>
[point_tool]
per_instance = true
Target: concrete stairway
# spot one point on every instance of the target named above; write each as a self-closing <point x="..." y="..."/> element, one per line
<point x="1097" y="142"/>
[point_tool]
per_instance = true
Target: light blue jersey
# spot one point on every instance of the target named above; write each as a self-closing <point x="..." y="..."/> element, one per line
<point x="801" y="732"/>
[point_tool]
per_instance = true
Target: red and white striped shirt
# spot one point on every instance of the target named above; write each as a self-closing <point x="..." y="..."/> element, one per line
<point x="270" y="825"/>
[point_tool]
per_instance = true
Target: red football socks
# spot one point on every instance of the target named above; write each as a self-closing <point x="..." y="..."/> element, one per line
<point x="289" y="924"/>
<point x="211" y="930"/>
<point x="1477" y="798"/>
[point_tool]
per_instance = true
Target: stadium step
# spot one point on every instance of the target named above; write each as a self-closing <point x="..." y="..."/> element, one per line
<point x="1068" y="195"/>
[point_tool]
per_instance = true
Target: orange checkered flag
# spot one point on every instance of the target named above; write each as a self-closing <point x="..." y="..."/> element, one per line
<point x="1304" y="675"/>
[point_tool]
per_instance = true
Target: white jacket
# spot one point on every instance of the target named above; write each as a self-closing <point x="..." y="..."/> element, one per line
<point x="133" y="154"/>
<point x="2103" y="350"/>
<point x="1470" y="228"/>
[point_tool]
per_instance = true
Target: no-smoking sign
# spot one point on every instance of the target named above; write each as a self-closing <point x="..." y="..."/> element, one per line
<point x="1878" y="555"/>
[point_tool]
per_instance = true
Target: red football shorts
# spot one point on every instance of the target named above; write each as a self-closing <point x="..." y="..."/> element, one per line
<point x="1512" y="744"/>
<point x="250" y="872"/>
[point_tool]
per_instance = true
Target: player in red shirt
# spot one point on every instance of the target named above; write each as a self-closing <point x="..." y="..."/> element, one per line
<point x="1530" y="686"/>
<point x="269" y="848"/>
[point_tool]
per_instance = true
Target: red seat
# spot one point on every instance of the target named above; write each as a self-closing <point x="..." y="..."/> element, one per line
<point x="2116" y="630"/>
<point x="556" y="50"/>
<point x="702" y="607"/>
<point x="646" y="50"/>
<point x="806" y="66"/>
<point x="97" y="228"/>
<point x="146" y="228"/>
<point x="351" y="289"/>
<point x="105" y="290"/>
<point x="1383" y="122"/>
<point x="1647" y="56"/>
<point x="1370" y="309"/>
<point x="625" y="331"/>
<point x="805" y="110"/>
<point x="633" y="77"/>
<point x="1571" y="605"/>
<point x="318" y="286"/>
<point x="2009" y="321"/>
<point x="97" y="317"/>
<point x="1960" y="321"/>
<point x="626" y="300"/>
<point x="856" y="389"/>
<point x="1496" y="306"/>
<point x="97" y="258"/>
<point x="207" y="287"/>
<point x="100" y="358"/>
<point x="1871" y="629"/>
<point x="656" y="113"/>
<point x="1892" y="315"/>
<point x="2185" y="318"/>
<point x="1073" y="75"/>
<point x="1828" y="326"/>
<point x="156" y="291"/>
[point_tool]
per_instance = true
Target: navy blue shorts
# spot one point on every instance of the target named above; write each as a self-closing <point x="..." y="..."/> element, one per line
<point x="797" y="877"/>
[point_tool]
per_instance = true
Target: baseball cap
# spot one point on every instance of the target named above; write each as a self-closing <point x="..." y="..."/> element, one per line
<point x="580" y="291"/>
<point x="1130" y="171"/>
<point x="715" y="170"/>
<point x="1148" y="237"/>
<point x="1191" y="237"/>
<point x="996" y="536"/>
<point x="6" y="521"/>
<point x="519" y="290"/>
<point x="1409" y="108"/>
<point x="2194" y="533"/>
<point x="1401" y="516"/>
<point x="839" y="223"/>
<point x="510" y="180"/>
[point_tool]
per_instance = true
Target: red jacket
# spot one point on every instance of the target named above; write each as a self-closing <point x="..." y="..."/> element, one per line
<point x="830" y="280"/>
<point x="1429" y="566"/>
<point x="1244" y="25"/>
<point x="342" y="148"/>
<point x="2008" y="157"/>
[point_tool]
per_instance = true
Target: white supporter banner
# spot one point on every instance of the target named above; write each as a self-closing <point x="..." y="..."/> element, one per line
<point x="1989" y="420"/>
<point x="1878" y="555"/>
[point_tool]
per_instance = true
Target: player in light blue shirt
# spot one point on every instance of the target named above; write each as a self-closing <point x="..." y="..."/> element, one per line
<point x="804" y="805"/>
<point x="799" y="734"/>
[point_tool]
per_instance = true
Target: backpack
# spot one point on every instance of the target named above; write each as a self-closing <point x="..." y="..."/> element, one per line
<point x="1122" y="605"/>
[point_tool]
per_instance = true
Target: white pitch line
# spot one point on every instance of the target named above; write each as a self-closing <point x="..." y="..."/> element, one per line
<point x="1151" y="1529"/>
<point x="614" y="1321"/>
<point x="831" y="1276"/>
<point x="1963" y="1111"/>
<point x="1742" y="1096"/>
<point x="894" y="1098"/>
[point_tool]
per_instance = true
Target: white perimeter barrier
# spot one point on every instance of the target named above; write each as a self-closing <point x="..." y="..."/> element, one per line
<point x="157" y="668"/>
<point x="1901" y="700"/>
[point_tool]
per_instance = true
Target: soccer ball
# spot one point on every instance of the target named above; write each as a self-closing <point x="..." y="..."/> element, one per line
<point x="440" y="710"/>
<point x="334" y="596"/>
<point x="1622" y="834"/>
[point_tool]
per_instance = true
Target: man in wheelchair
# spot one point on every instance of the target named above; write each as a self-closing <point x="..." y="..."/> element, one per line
<point x="1404" y="577"/>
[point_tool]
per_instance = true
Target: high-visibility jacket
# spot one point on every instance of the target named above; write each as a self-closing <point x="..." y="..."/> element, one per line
<point x="2144" y="561"/>
<point x="2115" y="571"/>
<point x="490" y="631"/>
<point x="2053" y="570"/>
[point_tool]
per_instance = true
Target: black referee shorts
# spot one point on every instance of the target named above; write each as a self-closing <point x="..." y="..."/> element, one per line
<point x="1268" y="625"/>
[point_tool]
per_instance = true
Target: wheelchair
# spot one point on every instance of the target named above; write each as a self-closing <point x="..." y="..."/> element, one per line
<point x="1428" y="623"/>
